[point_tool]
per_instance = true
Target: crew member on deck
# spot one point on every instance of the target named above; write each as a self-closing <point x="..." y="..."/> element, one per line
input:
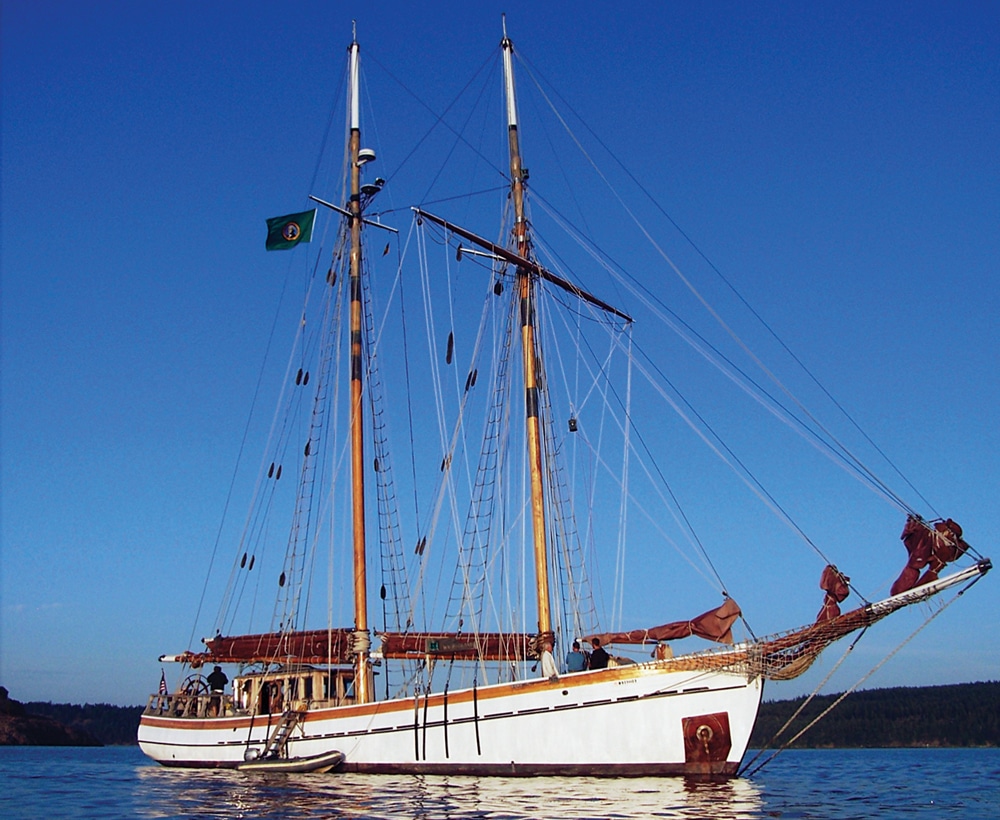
<point x="217" y="680"/>
<point x="576" y="661"/>
<point x="599" y="657"/>
<point x="217" y="684"/>
<point x="548" y="662"/>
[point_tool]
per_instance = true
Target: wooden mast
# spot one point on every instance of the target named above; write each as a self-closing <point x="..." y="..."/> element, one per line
<point x="361" y="640"/>
<point x="525" y="282"/>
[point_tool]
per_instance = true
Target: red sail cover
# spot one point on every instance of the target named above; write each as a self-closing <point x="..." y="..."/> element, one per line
<point x="317" y="646"/>
<point x="322" y="646"/>
<point x="926" y="547"/>
<point x="835" y="584"/>
<point x="714" y="625"/>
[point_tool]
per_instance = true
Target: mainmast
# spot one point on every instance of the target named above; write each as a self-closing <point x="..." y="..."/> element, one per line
<point x="361" y="641"/>
<point x="526" y="287"/>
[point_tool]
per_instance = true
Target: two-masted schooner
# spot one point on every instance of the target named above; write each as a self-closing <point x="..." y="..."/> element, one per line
<point x="308" y="699"/>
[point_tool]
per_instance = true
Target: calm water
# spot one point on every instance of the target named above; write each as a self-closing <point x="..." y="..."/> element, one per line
<point x="120" y="783"/>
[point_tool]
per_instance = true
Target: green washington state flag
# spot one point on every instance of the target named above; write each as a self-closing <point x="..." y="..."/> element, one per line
<point x="287" y="231"/>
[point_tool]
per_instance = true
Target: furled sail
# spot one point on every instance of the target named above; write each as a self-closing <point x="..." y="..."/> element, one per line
<point x="315" y="646"/>
<point x="836" y="585"/>
<point x="930" y="548"/>
<point x="714" y="625"/>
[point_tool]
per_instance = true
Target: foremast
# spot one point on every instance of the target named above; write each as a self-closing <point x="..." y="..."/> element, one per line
<point x="361" y="641"/>
<point x="525" y="284"/>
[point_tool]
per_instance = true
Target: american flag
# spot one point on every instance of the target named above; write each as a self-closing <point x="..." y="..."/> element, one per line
<point x="163" y="682"/>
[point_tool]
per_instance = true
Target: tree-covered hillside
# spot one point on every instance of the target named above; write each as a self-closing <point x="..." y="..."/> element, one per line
<point x="112" y="725"/>
<point x="965" y="714"/>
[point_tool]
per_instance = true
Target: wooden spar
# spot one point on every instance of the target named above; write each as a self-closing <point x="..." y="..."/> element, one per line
<point x="362" y="660"/>
<point x="521" y="262"/>
<point x="526" y="287"/>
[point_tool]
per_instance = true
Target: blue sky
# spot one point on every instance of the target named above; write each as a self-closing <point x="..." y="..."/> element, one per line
<point x="840" y="163"/>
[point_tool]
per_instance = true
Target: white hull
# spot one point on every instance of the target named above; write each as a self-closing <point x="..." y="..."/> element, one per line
<point x="629" y="720"/>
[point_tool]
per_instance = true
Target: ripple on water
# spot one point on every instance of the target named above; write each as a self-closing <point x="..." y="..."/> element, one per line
<point x="120" y="783"/>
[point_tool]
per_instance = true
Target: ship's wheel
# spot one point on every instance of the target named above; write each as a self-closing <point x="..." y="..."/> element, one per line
<point x="195" y="685"/>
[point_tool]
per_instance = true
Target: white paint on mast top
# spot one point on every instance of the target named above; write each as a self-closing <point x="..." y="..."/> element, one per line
<point x="508" y="76"/>
<point x="355" y="106"/>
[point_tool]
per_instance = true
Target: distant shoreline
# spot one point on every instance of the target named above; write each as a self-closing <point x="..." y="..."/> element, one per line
<point x="964" y="715"/>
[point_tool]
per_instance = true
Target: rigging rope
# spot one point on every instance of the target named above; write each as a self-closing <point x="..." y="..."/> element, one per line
<point x="439" y="119"/>
<point x="725" y="365"/>
<point x="809" y="699"/>
<point x="406" y="373"/>
<point x="743" y="472"/>
<point x="863" y="678"/>
<point x="566" y="551"/>
<point x="675" y="508"/>
<point x="842" y="447"/>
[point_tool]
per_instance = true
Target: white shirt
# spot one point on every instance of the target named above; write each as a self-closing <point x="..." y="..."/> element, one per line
<point x="549" y="665"/>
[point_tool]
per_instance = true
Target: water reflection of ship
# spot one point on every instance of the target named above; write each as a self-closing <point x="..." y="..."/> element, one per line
<point x="164" y="792"/>
<point x="596" y="797"/>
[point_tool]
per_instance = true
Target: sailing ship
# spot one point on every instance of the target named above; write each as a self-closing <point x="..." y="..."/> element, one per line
<point x="482" y="694"/>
